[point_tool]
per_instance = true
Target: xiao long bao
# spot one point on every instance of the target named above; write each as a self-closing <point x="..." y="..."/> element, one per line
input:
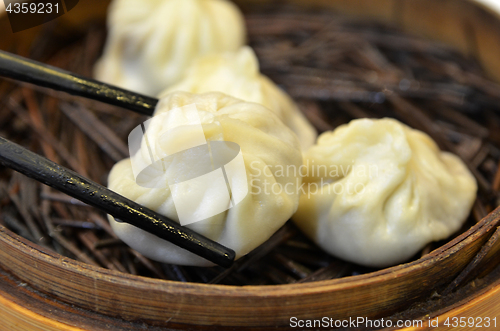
<point x="265" y="144"/>
<point x="152" y="42"/>
<point x="378" y="191"/>
<point x="237" y="74"/>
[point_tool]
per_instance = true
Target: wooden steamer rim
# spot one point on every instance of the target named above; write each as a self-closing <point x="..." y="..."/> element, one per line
<point x="136" y="298"/>
<point x="96" y="296"/>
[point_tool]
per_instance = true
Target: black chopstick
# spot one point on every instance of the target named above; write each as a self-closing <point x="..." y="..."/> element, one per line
<point x="43" y="170"/>
<point x="26" y="70"/>
<point x="47" y="172"/>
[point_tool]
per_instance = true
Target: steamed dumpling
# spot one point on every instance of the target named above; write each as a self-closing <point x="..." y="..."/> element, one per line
<point x="377" y="191"/>
<point x="237" y="74"/>
<point x="267" y="146"/>
<point x="152" y="42"/>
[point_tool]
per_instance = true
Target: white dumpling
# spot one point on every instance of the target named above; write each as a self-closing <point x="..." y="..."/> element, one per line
<point x="151" y="42"/>
<point x="377" y="191"/>
<point x="267" y="146"/>
<point x="237" y="74"/>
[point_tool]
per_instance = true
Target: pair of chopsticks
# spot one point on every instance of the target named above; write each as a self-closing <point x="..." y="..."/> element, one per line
<point x="45" y="171"/>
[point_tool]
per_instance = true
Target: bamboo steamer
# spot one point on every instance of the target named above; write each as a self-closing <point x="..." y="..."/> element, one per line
<point x="41" y="290"/>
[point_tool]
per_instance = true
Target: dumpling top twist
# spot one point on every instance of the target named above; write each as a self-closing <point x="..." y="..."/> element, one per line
<point x="237" y="74"/>
<point x="152" y="42"/>
<point x="378" y="191"/>
<point x="190" y="181"/>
